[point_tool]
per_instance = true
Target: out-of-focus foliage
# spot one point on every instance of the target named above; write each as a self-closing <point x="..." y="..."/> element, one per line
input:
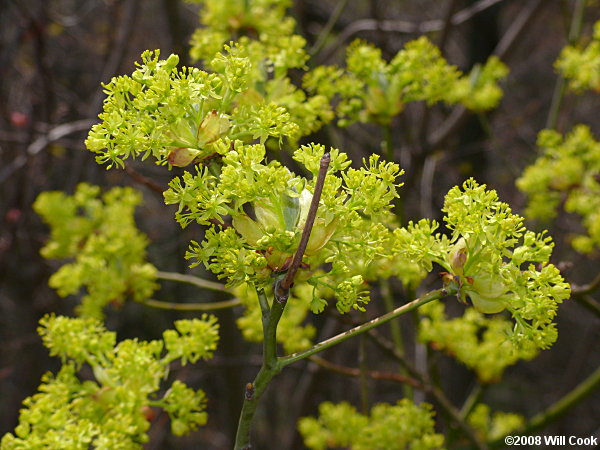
<point x="400" y="426"/>
<point x="113" y="410"/>
<point x="566" y="176"/>
<point x="494" y="426"/>
<point x="371" y="90"/>
<point x="580" y="64"/>
<point x="478" y="341"/>
<point x="108" y="252"/>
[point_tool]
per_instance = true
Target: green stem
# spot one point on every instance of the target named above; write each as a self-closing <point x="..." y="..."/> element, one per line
<point x="268" y="370"/>
<point x="539" y="421"/>
<point x="212" y="306"/>
<point x="396" y="333"/>
<point x="363" y="377"/>
<point x="190" y="279"/>
<point x="333" y="18"/>
<point x="561" y="86"/>
<point x="471" y="401"/>
<point x="429" y="297"/>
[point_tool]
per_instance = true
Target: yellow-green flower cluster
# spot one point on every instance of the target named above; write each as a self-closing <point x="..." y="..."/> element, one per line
<point x="493" y="261"/>
<point x="99" y="236"/>
<point x="581" y="64"/>
<point x="189" y="115"/>
<point x="566" y="175"/>
<point x="494" y="426"/>
<point x="478" y="341"/>
<point x="372" y="90"/>
<point x="394" y="427"/>
<point x="113" y="410"/>
<point x="268" y="206"/>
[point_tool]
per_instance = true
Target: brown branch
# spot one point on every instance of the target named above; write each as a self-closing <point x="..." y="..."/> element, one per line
<point x="506" y="44"/>
<point x="373" y="374"/>
<point x="586" y="288"/>
<point x="405" y="27"/>
<point x="282" y="288"/>
<point x="143" y="180"/>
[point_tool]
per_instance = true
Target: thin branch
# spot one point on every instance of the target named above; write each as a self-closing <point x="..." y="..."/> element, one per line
<point x="586" y="288"/>
<point x="553" y="412"/>
<point x="373" y="374"/>
<point x="560" y="87"/>
<point x="439" y="395"/>
<point x="145" y="181"/>
<point x="429" y="297"/>
<point x="406" y="27"/>
<point x="448" y="16"/>
<point x="42" y="142"/>
<point x="191" y="306"/>
<point x="333" y="18"/>
<point x="190" y="279"/>
<point x="282" y="289"/>
<point x="512" y="35"/>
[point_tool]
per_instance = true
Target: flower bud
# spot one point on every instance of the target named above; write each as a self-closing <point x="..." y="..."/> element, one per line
<point x="182" y="156"/>
<point x="320" y="235"/>
<point x="488" y="294"/>
<point x="248" y="228"/>
<point x="212" y="128"/>
<point x="458" y="256"/>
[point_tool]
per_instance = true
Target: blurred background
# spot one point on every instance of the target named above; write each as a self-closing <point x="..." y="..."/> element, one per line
<point x="55" y="53"/>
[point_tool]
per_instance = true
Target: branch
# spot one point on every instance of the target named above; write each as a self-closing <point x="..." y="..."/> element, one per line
<point x="333" y="18"/>
<point x="586" y="288"/>
<point x="190" y="279"/>
<point x="439" y="395"/>
<point x="268" y="370"/>
<point x="406" y="27"/>
<point x="191" y="306"/>
<point x="374" y="374"/>
<point x="282" y="289"/>
<point x="553" y="412"/>
<point x="429" y="297"/>
<point x="459" y="113"/>
<point x="42" y="142"/>
<point x="145" y="181"/>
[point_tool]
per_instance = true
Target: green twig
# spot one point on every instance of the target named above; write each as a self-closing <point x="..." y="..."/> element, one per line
<point x="438" y="394"/>
<point x="190" y="279"/>
<point x="395" y="331"/>
<point x="333" y="18"/>
<point x="561" y="86"/>
<point x="471" y="401"/>
<point x="363" y="375"/>
<point x="429" y="297"/>
<point x="209" y="306"/>
<point x="539" y="421"/>
<point x="268" y="370"/>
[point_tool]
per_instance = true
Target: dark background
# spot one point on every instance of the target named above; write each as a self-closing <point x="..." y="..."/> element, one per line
<point x="55" y="53"/>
